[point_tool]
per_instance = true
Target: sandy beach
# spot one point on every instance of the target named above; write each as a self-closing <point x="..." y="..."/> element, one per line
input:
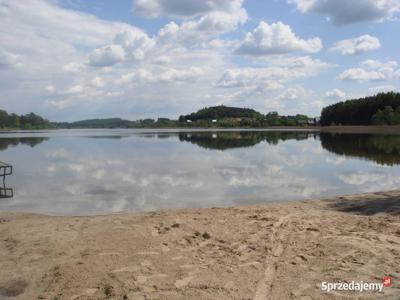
<point x="270" y="251"/>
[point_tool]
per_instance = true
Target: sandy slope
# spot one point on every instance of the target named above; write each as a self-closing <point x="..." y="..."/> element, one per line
<point x="272" y="251"/>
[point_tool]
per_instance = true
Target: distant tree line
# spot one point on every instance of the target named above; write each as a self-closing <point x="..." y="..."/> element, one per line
<point x="28" y="121"/>
<point x="227" y="117"/>
<point x="119" y="123"/>
<point x="210" y="117"/>
<point x="382" y="109"/>
<point x="221" y="112"/>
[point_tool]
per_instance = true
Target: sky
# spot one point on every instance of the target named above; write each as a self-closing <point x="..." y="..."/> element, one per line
<point x="73" y="59"/>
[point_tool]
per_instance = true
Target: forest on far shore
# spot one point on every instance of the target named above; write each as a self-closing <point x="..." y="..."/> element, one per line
<point x="381" y="109"/>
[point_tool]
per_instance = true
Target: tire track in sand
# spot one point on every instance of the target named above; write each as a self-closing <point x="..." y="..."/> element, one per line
<point x="279" y="241"/>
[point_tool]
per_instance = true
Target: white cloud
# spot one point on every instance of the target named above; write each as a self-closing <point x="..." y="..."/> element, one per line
<point x="135" y="43"/>
<point x="76" y="89"/>
<point x="59" y="104"/>
<point x="198" y="31"/>
<point x="97" y="82"/>
<point x="50" y="88"/>
<point x="107" y="56"/>
<point x="8" y="60"/>
<point x="102" y="68"/>
<point x="272" y="77"/>
<point x="249" y="78"/>
<point x="335" y="94"/>
<point x="184" y="9"/>
<point x="277" y="38"/>
<point x="342" y="12"/>
<point x="164" y="75"/>
<point x="371" y="70"/>
<point x="203" y="20"/>
<point x="73" y="67"/>
<point x="358" y="45"/>
<point x="359" y="74"/>
<point x="383" y="88"/>
<point x="294" y="93"/>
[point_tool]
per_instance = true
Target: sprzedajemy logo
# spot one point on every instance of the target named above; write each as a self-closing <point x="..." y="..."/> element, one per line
<point x="358" y="286"/>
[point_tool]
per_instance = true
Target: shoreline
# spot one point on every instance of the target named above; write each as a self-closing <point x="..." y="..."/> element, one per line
<point x="393" y="129"/>
<point x="264" y="251"/>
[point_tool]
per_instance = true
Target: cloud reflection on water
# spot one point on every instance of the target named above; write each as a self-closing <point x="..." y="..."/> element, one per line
<point x="76" y="175"/>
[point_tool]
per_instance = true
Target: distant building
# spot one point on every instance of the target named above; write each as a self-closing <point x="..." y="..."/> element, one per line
<point x="189" y="121"/>
<point x="214" y="121"/>
<point x="311" y="121"/>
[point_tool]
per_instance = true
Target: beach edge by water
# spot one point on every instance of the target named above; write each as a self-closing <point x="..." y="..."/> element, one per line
<point x="278" y="250"/>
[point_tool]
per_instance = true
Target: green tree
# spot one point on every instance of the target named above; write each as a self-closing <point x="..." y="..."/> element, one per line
<point x="378" y="118"/>
<point x="3" y="118"/>
<point x="361" y="111"/>
<point x="388" y="114"/>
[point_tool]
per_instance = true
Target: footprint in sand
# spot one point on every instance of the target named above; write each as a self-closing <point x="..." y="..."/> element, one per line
<point x="126" y="269"/>
<point x="87" y="292"/>
<point x="13" y="288"/>
<point x="146" y="263"/>
<point x="178" y="257"/>
<point x="165" y="248"/>
<point x="148" y="253"/>
<point x="253" y="264"/>
<point x="183" y="282"/>
<point x="141" y="279"/>
<point x="109" y="253"/>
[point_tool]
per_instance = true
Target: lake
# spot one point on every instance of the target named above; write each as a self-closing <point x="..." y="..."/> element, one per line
<point x="89" y="172"/>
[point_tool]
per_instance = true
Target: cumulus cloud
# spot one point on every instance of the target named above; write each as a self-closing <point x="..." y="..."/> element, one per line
<point x="277" y="38"/>
<point x="357" y="45"/>
<point x="50" y="88"/>
<point x="107" y="56"/>
<point x="97" y="82"/>
<point x="383" y="89"/>
<point x="122" y="70"/>
<point x="161" y="75"/>
<point x="134" y="42"/>
<point x="273" y="76"/>
<point x="294" y="93"/>
<point x="372" y="70"/>
<point x="202" y="19"/>
<point x="342" y="12"/>
<point x="199" y="31"/>
<point x="8" y="60"/>
<point x="250" y="77"/>
<point x="187" y="8"/>
<point x="73" y="67"/>
<point x="76" y="89"/>
<point x="335" y="94"/>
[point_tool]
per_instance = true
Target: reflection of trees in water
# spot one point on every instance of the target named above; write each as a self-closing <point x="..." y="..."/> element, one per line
<point x="29" y="141"/>
<point x="382" y="149"/>
<point x="227" y="140"/>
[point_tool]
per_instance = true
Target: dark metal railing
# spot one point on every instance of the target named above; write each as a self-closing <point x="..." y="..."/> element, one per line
<point x="5" y="169"/>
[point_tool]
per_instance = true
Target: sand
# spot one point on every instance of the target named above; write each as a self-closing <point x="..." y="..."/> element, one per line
<point x="269" y="251"/>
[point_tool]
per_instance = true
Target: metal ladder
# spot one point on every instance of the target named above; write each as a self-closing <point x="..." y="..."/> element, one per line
<point x="5" y="169"/>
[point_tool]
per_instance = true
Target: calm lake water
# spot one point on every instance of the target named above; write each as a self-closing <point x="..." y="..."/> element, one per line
<point x="86" y="172"/>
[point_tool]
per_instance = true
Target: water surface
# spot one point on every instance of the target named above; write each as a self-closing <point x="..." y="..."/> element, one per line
<point x="86" y="172"/>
